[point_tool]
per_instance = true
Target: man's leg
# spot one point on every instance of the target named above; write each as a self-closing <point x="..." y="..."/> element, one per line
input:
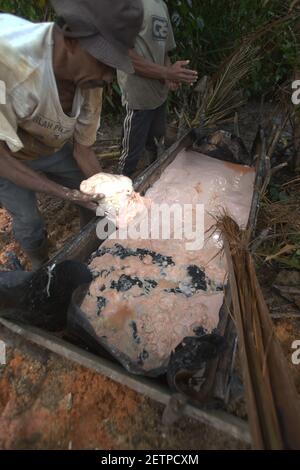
<point x="157" y="131"/>
<point x="136" y="129"/>
<point x="28" y="225"/>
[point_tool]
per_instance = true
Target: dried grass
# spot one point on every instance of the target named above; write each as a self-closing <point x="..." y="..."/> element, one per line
<point x="281" y="220"/>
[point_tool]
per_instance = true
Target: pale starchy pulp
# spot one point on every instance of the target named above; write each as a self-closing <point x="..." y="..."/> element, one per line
<point x="149" y="294"/>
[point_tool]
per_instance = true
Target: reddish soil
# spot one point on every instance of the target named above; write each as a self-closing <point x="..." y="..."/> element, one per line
<point x="49" y="403"/>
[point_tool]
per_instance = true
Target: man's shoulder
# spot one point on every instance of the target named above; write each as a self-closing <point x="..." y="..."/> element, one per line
<point x="22" y="48"/>
<point x="9" y="21"/>
<point x="152" y="6"/>
<point x="12" y="28"/>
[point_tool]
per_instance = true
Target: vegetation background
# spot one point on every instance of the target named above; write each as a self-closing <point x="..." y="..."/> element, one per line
<point x="207" y="31"/>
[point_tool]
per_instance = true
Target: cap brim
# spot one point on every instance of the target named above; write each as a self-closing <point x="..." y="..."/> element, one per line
<point x="105" y="52"/>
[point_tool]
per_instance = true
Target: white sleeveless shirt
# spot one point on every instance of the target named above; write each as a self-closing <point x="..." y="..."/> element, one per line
<point x="32" y="106"/>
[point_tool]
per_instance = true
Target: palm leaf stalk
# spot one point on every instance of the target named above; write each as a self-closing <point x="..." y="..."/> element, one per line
<point x="272" y="401"/>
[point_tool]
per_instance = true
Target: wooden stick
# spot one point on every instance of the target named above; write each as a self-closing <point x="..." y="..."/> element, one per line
<point x="108" y="155"/>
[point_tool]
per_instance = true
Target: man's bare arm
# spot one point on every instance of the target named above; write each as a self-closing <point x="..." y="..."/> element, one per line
<point x="172" y="85"/>
<point x="86" y="160"/>
<point x="23" y="176"/>
<point x="174" y="73"/>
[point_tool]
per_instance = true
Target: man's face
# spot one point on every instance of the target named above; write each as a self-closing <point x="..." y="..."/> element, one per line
<point x="91" y="72"/>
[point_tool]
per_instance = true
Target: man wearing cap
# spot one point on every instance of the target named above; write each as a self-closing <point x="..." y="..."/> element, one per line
<point x="144" y="94"/>
<point x="48" y="122"/>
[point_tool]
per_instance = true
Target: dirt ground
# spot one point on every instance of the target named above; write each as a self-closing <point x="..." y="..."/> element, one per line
<point x="49" y="403"/>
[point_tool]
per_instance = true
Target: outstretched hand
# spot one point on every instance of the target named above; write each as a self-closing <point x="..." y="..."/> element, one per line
<point x="173" y="86"/>
<point x="179" y="72"/>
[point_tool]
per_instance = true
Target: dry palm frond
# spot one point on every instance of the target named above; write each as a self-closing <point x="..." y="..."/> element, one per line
<point x="272" y="401"/>
<point x="294" y="4"/>
<point x="293" y="184"/>
<point x="284" y="215"/>
<point x="281" y="219"/>
<point x="286" y="5"/>
<point x="220" y="99"/>
<point x="279" y="227"/>
<point x="284" y="17"/>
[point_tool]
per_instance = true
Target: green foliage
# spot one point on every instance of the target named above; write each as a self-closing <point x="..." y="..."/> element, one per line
<point x="208" y="30"/>
<point x="277" y="194"/>
<point x="34" y="10"/>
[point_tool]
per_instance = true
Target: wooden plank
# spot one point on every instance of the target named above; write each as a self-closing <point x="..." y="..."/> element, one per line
<point x="219" y="420"/>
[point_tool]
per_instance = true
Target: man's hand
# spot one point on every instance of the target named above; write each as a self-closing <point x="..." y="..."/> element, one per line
<point x="179" y="72"/>
<point x="23" y="176"/>
<point x="173" y="86"/>
<point x="84" y="200"/>
<point x="176" y="73"/>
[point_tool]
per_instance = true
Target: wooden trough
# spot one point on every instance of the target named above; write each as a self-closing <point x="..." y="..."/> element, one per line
<point x="219" y="377"/>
